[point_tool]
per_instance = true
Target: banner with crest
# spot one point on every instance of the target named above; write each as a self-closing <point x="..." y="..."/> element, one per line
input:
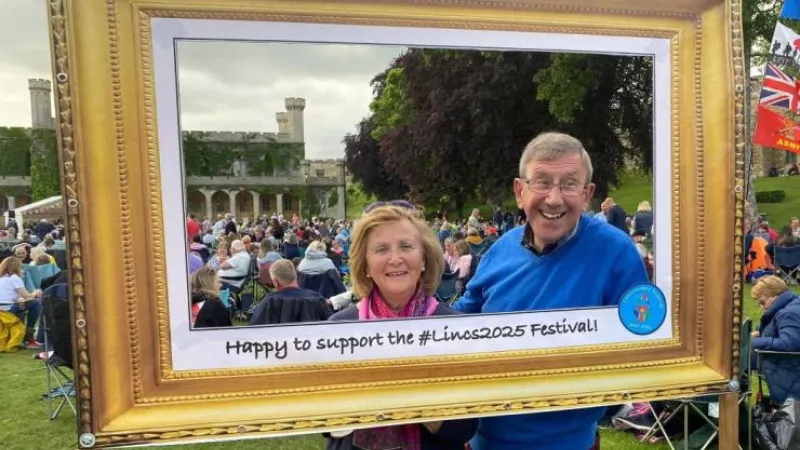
<point x="778" y="115"/>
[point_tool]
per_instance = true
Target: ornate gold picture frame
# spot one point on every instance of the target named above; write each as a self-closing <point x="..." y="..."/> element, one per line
<point x="112" y="106"/>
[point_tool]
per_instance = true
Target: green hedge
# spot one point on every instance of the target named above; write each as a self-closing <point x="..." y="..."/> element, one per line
<point x="770" y="196"/>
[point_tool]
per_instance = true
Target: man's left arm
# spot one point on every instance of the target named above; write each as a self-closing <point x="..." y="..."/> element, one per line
<point x="628" y="270"/>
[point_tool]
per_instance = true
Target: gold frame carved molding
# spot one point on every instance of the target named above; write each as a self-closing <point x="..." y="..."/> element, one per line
<point x="151" y="403"/>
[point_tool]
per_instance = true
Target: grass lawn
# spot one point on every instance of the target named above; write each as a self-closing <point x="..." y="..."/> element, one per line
<point x="778" y="214"/>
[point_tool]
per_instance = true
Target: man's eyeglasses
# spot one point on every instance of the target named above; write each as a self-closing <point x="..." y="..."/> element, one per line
<point x="398" y="203"/>
<point x="568" y="188"/>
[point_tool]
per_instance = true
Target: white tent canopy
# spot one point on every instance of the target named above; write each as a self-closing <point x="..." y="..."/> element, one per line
<point x="49" y="208"/>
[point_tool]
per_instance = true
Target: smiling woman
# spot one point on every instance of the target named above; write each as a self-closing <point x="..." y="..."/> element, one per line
<point x="396" y="264"/>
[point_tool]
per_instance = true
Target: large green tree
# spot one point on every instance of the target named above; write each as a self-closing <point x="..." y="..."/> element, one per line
<point x="607" y="103"/>
<point x="451" y="124"/>
<point x="363" y="161"/>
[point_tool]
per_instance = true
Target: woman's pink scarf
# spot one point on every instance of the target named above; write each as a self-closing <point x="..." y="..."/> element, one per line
<point x="398" y="437"/>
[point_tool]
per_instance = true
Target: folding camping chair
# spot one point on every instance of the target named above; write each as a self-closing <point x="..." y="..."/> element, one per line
<point x="787" y="263"/>
<point x="688" y="404"/>
<point x="55" y="320"/>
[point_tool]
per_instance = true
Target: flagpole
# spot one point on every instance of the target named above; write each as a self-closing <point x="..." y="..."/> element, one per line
<point x="751" y="207"/>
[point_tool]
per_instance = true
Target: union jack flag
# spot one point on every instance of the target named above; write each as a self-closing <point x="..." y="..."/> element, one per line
<point x="779" y="89"/>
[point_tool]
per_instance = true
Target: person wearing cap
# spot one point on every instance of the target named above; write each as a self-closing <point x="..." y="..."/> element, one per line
<point x="560" y="258"/>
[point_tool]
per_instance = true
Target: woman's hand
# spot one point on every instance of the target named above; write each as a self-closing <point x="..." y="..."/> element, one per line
<point x="755" y="334"/>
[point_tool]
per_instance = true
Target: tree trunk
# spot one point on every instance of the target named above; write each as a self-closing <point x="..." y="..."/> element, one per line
<point x="460" y="207"/>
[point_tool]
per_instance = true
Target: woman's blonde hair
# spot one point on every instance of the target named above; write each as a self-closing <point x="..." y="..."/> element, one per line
<point x="768" y="286"/>
<point x="204" y="281"/>
<point x="11" y="266"/>
<point x="462" y="247"/>
<point x="318" y="245"/>
<point x="36" y="252"/>
<point x="644" y="206"/>
<point x="432" y="255"/>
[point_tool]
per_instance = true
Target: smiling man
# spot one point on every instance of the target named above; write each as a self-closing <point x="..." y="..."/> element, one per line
<point x="561" y="258"/>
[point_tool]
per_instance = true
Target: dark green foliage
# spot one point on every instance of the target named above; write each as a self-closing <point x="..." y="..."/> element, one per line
<point x="15" y="152"/>
<point x="44" y="165"/>
<point x="451" y="125"/>
<point x="363" y="160"/>
<point x="204" y="157"/>
<point x="333" y="199"/>
<point x="770" y="196"/>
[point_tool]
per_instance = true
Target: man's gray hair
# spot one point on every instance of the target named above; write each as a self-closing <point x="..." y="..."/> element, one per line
<point x="284" y="271"/>
<point x="237" y="246"/>
<point x="551" y="146"/>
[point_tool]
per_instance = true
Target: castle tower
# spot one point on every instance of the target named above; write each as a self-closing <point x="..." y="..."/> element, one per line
<point x="294" y="113"/>
<point x="283" y="123"/>
<point x="41" y="107"/>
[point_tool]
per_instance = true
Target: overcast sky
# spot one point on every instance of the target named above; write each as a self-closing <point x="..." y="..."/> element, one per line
<point x="225" y="86"/>
<point x="239" y="86"/>
<point x="24" y="53"/>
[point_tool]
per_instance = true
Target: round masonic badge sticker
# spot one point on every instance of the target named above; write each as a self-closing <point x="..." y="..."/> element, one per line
<point x="643" y="309"/>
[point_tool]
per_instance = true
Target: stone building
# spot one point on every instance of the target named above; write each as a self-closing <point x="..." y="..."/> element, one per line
<point x="246" y="194"/>
<point x="236" y="190"/>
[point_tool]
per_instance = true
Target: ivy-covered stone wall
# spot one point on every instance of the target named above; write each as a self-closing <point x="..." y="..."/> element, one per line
<point x="30" y="152"/>
<point x="206" y="158"/>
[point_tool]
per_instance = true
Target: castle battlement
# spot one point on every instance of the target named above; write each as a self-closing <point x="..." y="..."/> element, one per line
<point x="39" y="83"/>
<point x="239" y="136"/>
<point x="295" y="104"/>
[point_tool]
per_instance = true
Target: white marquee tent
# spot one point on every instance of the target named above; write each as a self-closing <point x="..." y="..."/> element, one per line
<point x="49" y="208"/>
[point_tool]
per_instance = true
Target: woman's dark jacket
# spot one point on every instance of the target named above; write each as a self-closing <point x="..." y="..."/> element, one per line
<point x="452" y="435"/>
<point x="780" y="332"/>
<point x="213" y="313"/>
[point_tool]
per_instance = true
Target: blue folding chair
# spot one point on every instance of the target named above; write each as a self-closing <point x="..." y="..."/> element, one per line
<point x="787" y="262"/>
<point x="447" y="291"/>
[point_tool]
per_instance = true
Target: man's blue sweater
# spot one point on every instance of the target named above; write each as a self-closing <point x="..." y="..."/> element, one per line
<point x="593" y="267"/>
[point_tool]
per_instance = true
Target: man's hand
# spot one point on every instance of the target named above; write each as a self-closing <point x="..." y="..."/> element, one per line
<point x="755" y="334"/>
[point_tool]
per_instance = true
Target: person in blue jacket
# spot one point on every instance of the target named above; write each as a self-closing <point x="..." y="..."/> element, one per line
<point x="779" y="331"/>
<point x="559" y="258"/>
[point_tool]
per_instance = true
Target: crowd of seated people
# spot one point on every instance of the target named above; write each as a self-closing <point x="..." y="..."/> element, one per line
<point x="771" y="252"/>
<point x="242" y="255"/>
<point x="27" y="267"/>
